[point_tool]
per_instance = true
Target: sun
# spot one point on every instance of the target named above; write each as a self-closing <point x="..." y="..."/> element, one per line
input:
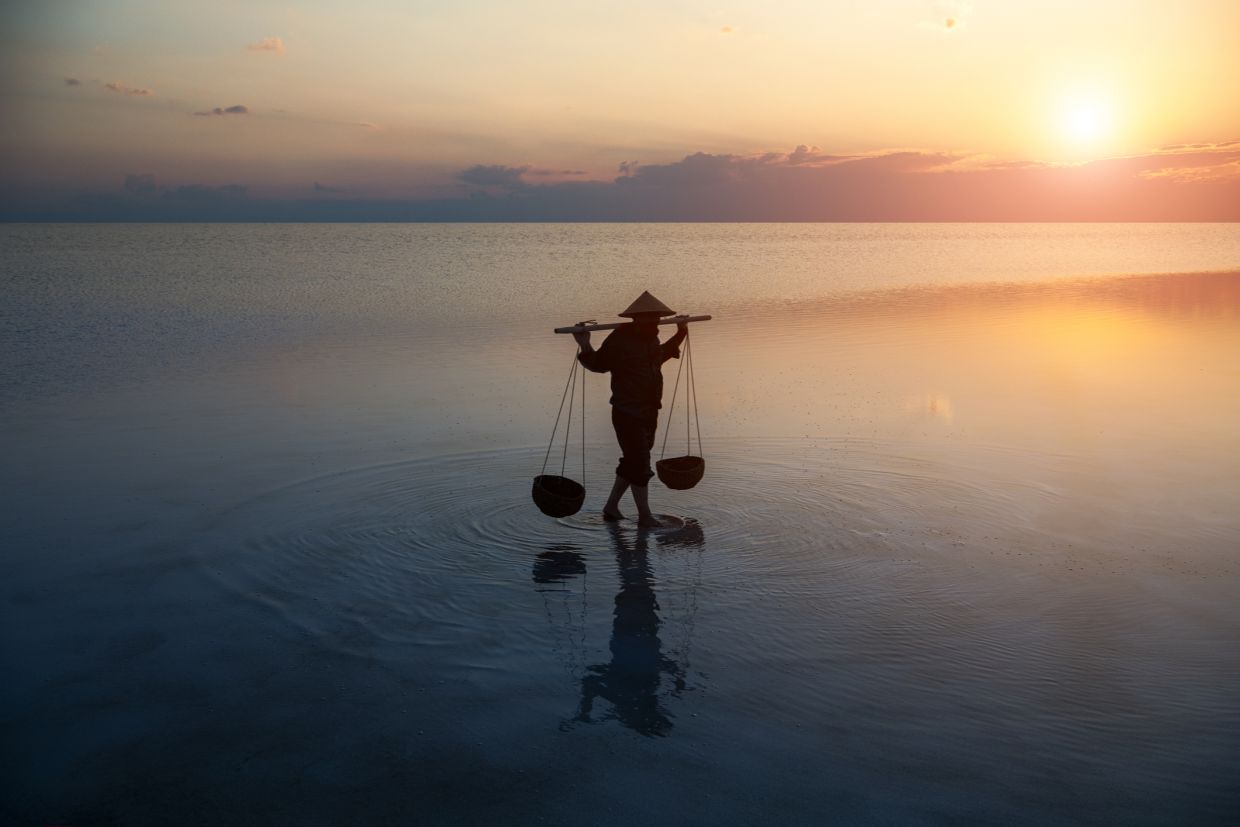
<point x="1085" y="120"/>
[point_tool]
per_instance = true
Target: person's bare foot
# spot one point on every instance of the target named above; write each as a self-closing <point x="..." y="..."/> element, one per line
<point x="612" y="515"/>
<point x="649" y="521"/>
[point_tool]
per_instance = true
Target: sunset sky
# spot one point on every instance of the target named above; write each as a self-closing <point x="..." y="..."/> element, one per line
<point x="877" y="110"/>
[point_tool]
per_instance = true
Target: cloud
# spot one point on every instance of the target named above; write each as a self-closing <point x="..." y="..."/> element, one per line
<point x="726" y="30"/>
<point x="140" y="183"/>
<point x="1223" y="147"/>
<point x="1196" y="174"/>
<point x="495" y="175"/>
<point x="1192" y="163"/>
<point x="696" y="170"/>
<point x="807" y="184"/>
<point x="812" y="155"/>
<point x="274" y="45"/>
<point x="121" y="89"/>
<point x="802" y="154"/>
<point x="903" y="161"/>
<point x="544" y="173"/>
<point x="238" y="109"/>
<point x="72" y="82"/>
<point x="1198" y="182"/>
<point x="201" y="194"/>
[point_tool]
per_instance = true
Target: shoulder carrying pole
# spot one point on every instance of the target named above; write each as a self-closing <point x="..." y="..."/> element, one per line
<point x="586" y="328"/>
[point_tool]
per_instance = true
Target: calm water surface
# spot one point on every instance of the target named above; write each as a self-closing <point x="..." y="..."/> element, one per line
<point x="966" y="549"/>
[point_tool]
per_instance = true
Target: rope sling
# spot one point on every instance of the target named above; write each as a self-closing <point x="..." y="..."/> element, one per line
<point x="686" y="471"/>
<point x="559" y="496"/>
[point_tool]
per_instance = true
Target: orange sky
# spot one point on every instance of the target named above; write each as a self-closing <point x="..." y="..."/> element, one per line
<point x="388" y="100"/>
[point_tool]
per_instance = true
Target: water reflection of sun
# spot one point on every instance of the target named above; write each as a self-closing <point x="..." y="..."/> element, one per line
<point x="1088" y="344"/>
<point x="932" y="406"/>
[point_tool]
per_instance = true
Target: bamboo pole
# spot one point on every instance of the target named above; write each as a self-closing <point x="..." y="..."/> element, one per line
<point x="587" y="328"/>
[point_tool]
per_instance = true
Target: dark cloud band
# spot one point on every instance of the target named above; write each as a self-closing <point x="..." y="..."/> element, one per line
<point x="1199" y="182"/>
<point x="238" y="109"/>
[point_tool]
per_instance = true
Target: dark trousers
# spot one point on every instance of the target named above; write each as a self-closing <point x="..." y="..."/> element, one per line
<point x="636" y="437"/>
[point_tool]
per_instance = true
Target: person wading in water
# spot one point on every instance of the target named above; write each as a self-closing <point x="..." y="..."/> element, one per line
<point x="634" y="357"/>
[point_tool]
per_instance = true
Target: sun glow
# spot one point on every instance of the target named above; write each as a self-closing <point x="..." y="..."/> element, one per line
<point x="1086" y="120"/>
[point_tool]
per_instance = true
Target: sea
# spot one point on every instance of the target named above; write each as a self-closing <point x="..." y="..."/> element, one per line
<point x="966" y="548"/>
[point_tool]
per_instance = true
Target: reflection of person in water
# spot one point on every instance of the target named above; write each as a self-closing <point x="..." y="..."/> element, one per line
<point x="630" y="682"/>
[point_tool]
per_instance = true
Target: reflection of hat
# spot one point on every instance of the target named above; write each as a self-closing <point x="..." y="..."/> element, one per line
<point x="647" y="303"/>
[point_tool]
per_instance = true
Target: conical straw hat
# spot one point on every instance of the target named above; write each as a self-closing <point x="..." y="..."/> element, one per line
<point x="647" y="303"/>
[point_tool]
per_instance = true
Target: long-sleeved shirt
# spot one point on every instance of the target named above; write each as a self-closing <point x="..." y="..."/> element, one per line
<point x="635" y="361"/>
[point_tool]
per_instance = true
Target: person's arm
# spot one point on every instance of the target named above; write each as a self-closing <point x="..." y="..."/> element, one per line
<point x="595" y="360"/>
<point x="671" y="348"/>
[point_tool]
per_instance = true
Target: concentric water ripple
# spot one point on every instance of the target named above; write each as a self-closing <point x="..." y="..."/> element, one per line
<point x="939" y="583"/>
<point x="422" y="552"/>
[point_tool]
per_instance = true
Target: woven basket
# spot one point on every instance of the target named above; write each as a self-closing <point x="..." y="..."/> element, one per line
<point x="680" y="473"/>
<point x="557" y="496"/>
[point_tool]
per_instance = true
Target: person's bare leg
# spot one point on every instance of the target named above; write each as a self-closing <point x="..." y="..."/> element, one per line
<point x="611" y="510"/>
<point x="641" y="496"/>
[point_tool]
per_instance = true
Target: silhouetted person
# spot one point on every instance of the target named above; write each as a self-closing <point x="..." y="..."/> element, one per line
<point x="634" y="357"/>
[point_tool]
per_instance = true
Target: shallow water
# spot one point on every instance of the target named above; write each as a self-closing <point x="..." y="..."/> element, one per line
<point x="966" y="548"/>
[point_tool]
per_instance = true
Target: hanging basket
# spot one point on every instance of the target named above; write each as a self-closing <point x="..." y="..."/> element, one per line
<point x="680" y="473"/>
<point x="558" y="496"/>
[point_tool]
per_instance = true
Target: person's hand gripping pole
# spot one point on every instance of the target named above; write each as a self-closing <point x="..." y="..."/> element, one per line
<point x="583" y="336"/>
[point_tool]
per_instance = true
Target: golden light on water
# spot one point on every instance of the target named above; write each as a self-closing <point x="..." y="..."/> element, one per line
<point x="936" y="405"/>
<point x="1057" y="366"/>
